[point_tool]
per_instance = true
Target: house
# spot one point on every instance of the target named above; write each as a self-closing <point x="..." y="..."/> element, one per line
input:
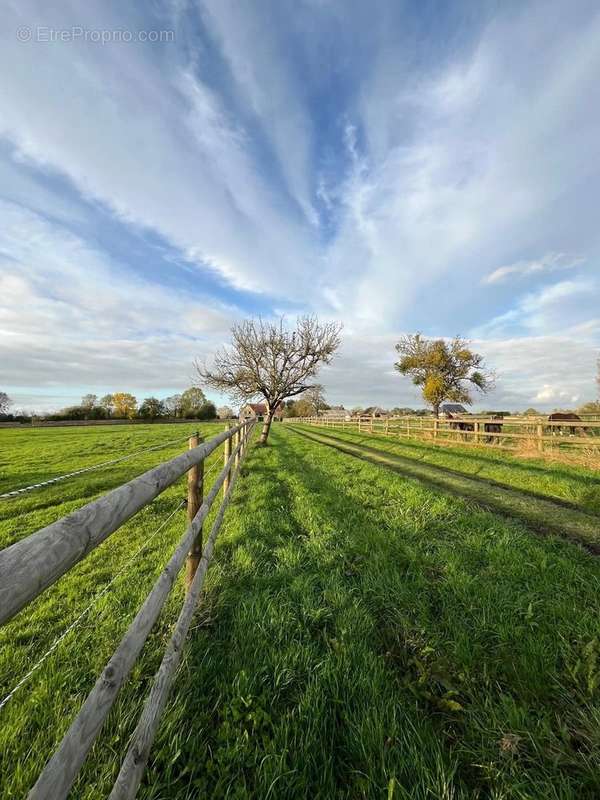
<point x="453" y="408"/>
<point x="335" y="412"/>
<point x="258" y="411"/>
<point x="375" y="411"/>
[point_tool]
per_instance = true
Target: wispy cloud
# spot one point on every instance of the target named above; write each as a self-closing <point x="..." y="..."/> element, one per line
<point x="551" y="262"/>
<point x="69" y="316"/>
<point x="354" y="161"/>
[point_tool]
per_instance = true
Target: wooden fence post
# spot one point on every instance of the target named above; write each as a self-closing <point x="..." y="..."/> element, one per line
<point x="540" y="441"/>
<point x="476" y="437"/>
<point x="236" y="442"/>
<point x="408" y="427"/>
<point x="435" y="428"/>
<point x="226" y="455"/>
<point x="387" y="426"/>
<point x="195" y="495"/>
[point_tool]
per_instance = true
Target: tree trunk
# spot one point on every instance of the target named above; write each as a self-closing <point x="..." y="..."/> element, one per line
<point x="436" y="410"/>
<point x="266" y="427"/>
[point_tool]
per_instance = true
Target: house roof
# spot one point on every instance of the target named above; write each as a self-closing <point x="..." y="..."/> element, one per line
<point x="261" y="408"/>
<point x="258" y="408"/>
<point x="334" y="411"/>
<point x="453" y="408"/>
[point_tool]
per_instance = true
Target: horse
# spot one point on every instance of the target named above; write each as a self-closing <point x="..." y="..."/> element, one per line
<point x="488" y="427"/>
<point x="493" y="427"/>
<point x="566" y="416"/>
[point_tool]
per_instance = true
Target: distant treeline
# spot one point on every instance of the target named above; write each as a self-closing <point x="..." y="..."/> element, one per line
<point x="191" y="404"/>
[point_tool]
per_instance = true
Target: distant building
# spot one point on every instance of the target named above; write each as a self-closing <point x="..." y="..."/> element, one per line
<point x="258" y="411"/>
<point x="453" y="408"/>
<point x="335" y="412"/>
<point x="375" y="411"/>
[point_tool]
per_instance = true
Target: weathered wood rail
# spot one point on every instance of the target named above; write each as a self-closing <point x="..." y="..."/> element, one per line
<point x="514" y="431"/>
<point x="30" y="566"/>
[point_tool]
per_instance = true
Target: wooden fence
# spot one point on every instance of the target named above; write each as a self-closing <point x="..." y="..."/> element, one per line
<point x="508" y="432"/>
<point x="31" y="565"/>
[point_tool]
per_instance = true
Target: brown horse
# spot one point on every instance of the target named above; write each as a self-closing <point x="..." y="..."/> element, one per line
<point x="493" y="427"/>
<point x="565" y="416"/>
<point x="488" y="427"/>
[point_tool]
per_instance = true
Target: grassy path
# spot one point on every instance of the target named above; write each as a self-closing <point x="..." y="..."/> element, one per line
<point x="541" y="513"/>
<point x="367" y="637"/>
<point x="577" y="485"/>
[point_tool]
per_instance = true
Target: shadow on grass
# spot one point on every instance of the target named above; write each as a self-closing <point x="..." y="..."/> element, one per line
<point x="278" y="699"/>
<point x="478" y="456"/>
<point x="471" y="476"/>
<point x="311" y="669"/>
<point x="541" y="513"/>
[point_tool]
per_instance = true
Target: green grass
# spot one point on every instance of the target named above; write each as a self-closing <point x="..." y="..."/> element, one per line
<point x="543" y="513"/>
<point x="572" y="483"/>
<point x="361" y="635"/>
<point x="33" y="722"/>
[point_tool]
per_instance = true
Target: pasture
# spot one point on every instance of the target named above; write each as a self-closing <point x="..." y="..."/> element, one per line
<point x="381" y="619"/>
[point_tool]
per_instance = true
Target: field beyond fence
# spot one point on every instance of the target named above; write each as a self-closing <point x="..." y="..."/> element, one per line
<point x="534" y="434"/>
<point x="66" y="423"/>
<point x="33" y="564"/>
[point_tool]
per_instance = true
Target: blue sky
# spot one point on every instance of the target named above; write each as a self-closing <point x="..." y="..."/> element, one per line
<point x="399" y="166"/>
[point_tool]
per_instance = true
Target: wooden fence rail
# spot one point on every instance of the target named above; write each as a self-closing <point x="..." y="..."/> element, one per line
<point x="132" y="768"/>
<point x="514" y="431"/>
<point x="31" y="565"/>
<point x="93" y="523"/>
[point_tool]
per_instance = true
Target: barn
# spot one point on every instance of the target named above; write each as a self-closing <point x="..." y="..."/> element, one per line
<point x="453" y="408"/>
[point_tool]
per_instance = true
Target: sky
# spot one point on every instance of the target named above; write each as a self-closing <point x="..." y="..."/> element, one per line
<point x="170" y="168"/>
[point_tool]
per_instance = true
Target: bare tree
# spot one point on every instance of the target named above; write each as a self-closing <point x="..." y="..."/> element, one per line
<point x="316" y="397"/>
<point x="266" y="360"/>
<point x="5" y="402"/>
<point x="173" y="405"/>
<point x="88" y="401"/>
<point x="107" y="403"/>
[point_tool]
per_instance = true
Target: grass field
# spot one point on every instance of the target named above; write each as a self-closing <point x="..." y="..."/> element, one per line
<point x="365" y="632"/>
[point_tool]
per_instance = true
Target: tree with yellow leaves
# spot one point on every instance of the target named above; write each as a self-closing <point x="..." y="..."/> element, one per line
<point x="124" y="405"/>
<point x="444" y="370"/>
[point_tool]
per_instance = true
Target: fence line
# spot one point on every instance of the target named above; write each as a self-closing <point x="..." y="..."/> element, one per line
<point x="88" y="608"/>
<point x="31" y="565"/>
<point x="134" y="764"/>
<point x="471" y="430"/>
<point x="98" y="520"/>
<point x="16" y="492"/>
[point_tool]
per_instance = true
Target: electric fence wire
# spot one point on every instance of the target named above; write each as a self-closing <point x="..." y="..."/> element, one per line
<point x="17" y="492"/>
<point x="88" y="608"/>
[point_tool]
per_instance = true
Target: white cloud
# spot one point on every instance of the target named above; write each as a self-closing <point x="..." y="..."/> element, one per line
<point x="452" y="167"/>
<point x="467" y="164"/>
<point x="549" y="393"/>
<point x="570" y="307"/>
<point x="551" y="262"/>
<point x="145" y="136"/>
<point x="266" y="83"/>
<point x="70" y="316"/>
